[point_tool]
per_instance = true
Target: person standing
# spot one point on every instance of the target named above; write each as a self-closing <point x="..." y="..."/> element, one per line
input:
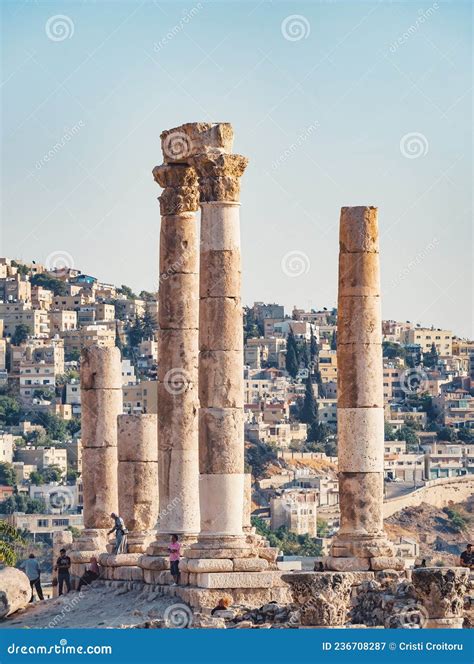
<point x="175" y="554"/>
<point x="33" y="572"/>
<point x="63" y="565"/>
<point x="120" y="534"/>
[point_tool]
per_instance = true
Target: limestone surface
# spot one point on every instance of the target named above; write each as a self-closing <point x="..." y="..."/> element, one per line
<point x="15" y="591"/>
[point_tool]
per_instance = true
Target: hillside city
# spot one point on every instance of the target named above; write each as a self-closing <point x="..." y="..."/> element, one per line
<point x="49" y="314"/>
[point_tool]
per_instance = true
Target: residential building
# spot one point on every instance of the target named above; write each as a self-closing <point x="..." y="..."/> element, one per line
<point x="296" y="509"/>
<point x="6" y="447"/>
<point x="43" y="457"/>
<point x="41" y="298"/>
<point x="21" y="313"/>
<point x="141" y="398"/>
<point x="42" y="526"/>
<point x="61" y="320"/>
<point x="426" y="337"/>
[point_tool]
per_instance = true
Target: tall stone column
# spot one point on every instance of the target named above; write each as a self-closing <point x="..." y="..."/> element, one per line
<point x="138" y="478"/>
<point x="221" y="393"/>
<point x="178" y="457"/>
<point x="360" y="543"/>
<point x="101" y="403"/>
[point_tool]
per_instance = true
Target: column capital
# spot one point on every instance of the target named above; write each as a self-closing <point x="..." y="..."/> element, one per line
<point x="219" y="176"/>
<point x="180" y="188"/>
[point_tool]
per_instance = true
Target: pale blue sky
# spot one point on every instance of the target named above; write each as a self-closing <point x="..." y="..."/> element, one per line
<point x="321" y="118"/>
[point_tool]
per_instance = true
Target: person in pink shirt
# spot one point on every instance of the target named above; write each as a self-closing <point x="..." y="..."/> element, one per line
<point x="175" y="552"/>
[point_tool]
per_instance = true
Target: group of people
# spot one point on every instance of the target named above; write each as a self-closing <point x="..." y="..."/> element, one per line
<point x="32" y="569"/>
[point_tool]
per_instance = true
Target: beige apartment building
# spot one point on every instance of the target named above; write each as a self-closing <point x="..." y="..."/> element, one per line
<point x="425" y="337"/>
<point x="41" y="298"/>
<point x="89" y="335"/>
<point x="43" y="457"/>
<point x="328" y="365"/>
<point x="141" y="398"/>
<point x="61" y="320"/>
<point x="297" y="510"/>
<point x="21" y="313"/>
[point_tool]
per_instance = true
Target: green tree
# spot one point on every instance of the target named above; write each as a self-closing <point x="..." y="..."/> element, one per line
<point x="258" y="456"/>
<point x="446" y="433"/>
<point x="431" y="358"/>
<point x="118" y="340"/>
<point x="21" y="334"/>
<point x="334" y="340"/>
<point x="313" y="347"/>
<point x="10" y="411"/>
<point x="9" y="537"/>
<point x="149" y="325"/>
<point x="50" y="283"/>
<point x="457" y="521"/>
<point x="291" y="360"/>
<point x="309" y="410"/>
<point x="389" y="432"/>
<point x="127" y="291"/>
<point x="73" y="426"/>
<point x="392" y="350"/>
<point x="73" y="355"/>
<point x="7" y="474"/>
<point x="408" y="434"/>
<point x="55" y="426"/>
<point x="135" y="332"/>
<point x="251" y="328"/>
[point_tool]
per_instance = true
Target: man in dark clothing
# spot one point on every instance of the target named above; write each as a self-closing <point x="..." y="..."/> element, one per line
<point x="467" y="557"/>
<point x="63" y="565"/>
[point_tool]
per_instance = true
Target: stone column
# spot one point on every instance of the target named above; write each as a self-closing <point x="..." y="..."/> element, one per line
<point x="441" y="592"/>
<point x="138" y="478"/>
<point x="221" y="393"/>
<point x="323" y="598"/>
<point x="178" y="457"/>
<point x="360" y="543"/>
<point x="62" y="539"/>
<point x="101" y="403"/>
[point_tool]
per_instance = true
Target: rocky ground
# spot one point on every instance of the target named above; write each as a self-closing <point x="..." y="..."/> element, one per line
<point x="99" y="606"/>
<point x="440" y="542"/>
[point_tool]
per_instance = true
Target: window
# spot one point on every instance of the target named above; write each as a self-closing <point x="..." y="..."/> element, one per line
<point x="42" y="523"/>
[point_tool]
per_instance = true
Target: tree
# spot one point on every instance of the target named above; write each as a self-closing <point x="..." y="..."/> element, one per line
<point x="7" y="474"/>
<point x="73" y="355"/>
<point x="392" y="350"/>
<point x="457" y="521"/>
<point x="55" y="426"/>
<point x="21" y="334"/>
<point x="10" y="411"/>
<point x="258" y="456"/>
<point x="9" y="537"/>
<point x="430" y="359"/>
<point x="135" y="332"/>
<point x="446" y="433"/>
<point x="21" y="503"/>
<point x="291" y="359"/>
<point x="148" y="325"/>
<point x="251" y="328"/>
<point x="127" y="291"/>
<point x="309" y="411"/>
<point x="408" y="434"/>
<point x="73" y="426"/>
<point x="334" y="340"/>
<point x="389" y="432"/>
<point x="50" y="283"/>
<point x="45" y="476"/>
